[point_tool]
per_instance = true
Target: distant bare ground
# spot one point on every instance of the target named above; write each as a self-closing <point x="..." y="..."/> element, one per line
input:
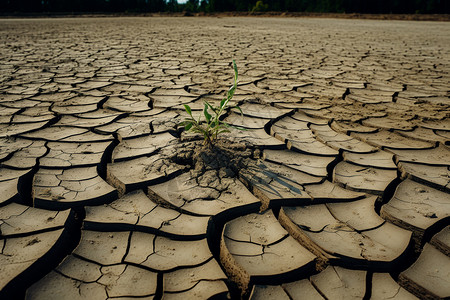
<point x="406" y="17"/>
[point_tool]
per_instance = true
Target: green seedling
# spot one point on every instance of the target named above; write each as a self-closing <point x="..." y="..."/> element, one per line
<point x="212" y="126"/>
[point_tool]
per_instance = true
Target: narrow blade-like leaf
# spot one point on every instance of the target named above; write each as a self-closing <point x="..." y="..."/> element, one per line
<point x="240" y="110"/>
<point x="206" y="113"/>
<point x="222" y="103"/>
<point x="188" y="126"/>
<point x="210" y="106"/>
<point x="235" y="71"/>
<point x="188" y="109"/>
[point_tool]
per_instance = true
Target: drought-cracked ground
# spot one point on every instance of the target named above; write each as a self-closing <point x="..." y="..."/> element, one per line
<point x="338" y="189"/>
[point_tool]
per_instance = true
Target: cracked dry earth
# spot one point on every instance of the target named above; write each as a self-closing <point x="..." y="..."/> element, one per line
<point x="338" y="189"/>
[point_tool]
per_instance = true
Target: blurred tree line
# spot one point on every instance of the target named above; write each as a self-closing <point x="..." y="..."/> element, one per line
<point x="335" y="6"/>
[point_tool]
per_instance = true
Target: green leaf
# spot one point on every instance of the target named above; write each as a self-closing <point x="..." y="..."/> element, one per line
<point x="206" y="113"/>
<point x="235" y="71"/>
<point x="210" y="106"/>
<point x="188" y="109"/>
<point x="233" y="126"/>
<point x="238" y="108"/>
<point x="222" y="103"/>
<point x="231" y="91"/>
<point x="188" y="126"/>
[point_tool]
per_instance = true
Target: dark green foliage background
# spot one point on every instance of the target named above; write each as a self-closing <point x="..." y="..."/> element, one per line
<point x="334" y="6"/>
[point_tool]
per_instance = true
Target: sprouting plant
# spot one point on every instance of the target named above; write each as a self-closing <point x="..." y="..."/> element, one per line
<point x="212" y="126"/>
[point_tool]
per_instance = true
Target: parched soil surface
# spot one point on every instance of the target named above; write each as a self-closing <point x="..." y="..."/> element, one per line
<point x="337" y="189"/>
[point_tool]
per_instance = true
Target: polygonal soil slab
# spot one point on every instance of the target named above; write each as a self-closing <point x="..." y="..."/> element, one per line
<point x="21" y="153"/>
<point x="255" y="137"/>
<point x="277" y="183"/>
<point x="379" y="159"/>
<point x="73" y="121"/>
<point x="435" y="176"/>
<point x="58" y="189"/>
<point x="301" y="139"/>
<point x="368" y="97"/>
<point x="441" y="241"/>
<point x="391" y="140"/>
<point x="439" y="156"/>
<point x="340" y="141"/>
<point x="201" y="282"/>
<point x="359" y="214"/>
<point x="363" y="179"/>
<point x="7" y="130"/>
<point x="68" y="134"/>
<point x="166" y="101"/>
<point x="246" y="121"/>
<point x="263" y="111"/>
<point x="128" y="127"/>
<point x="303" y="117"/>
<point x="128" y="104"/>
<point x="262" y="292"/>
<point x="424" y="134"/>
<point x="416" y="207"/>
<point x="23" y="258"/>
<point x="73" y="154"/>
<point x="311" y="164"/>
<point x="340" y="283"/>
<point x="302" y="289"/>
<point x="77" y="278"/>
<point x="255" y="248"/>
<point x="429" y="276"/>
<point x="325" y="192"/>
<point x="388" y="123"/>
<point x="11" y="184"/>
<point x="205" y="194"/>
<point x="348" y="127"/>
<point x="168" y="120"/>
<point x="164" y="254"/>
<point x="140" y="146"/>
<point x="140" y="172"/>
<point x="384" y="287"/>
<point x="381" y="247"/>
<point x="17" y="219"/>
<point x="135" y="211"/>
<point x="10" y="191"/>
